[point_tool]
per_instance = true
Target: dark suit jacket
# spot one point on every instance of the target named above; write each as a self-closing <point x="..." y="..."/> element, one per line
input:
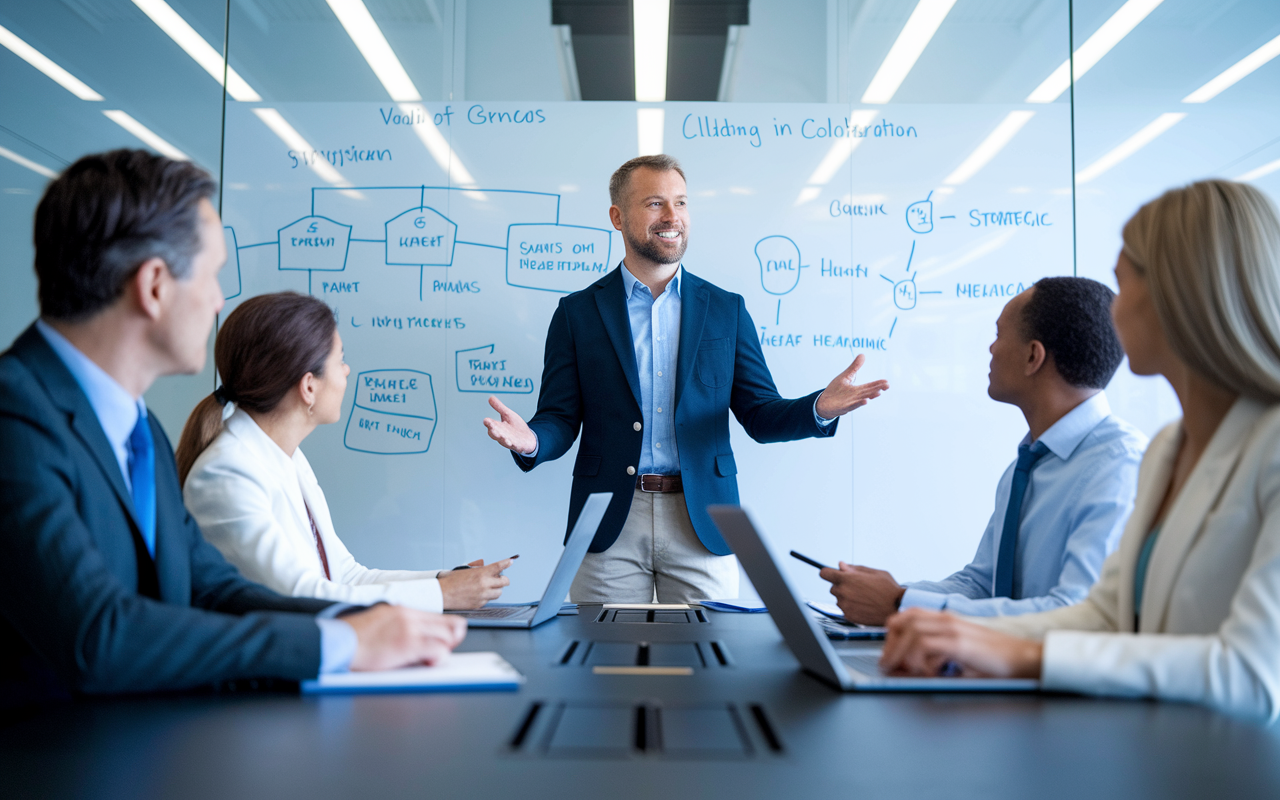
<point x="590" y="381"/>
<point x="83" y="608"/>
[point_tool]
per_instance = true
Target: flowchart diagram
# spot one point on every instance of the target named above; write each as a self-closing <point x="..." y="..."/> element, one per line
<point x="394" y="411"/>
<point x="779" y="260"/>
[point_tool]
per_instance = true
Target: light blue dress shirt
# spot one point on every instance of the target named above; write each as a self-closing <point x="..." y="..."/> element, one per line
<point x="1077" y="502"/>
<point x="655" y="336"/>
<point x="118" y="413"/>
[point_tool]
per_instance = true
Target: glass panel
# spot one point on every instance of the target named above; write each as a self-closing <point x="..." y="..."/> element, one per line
<point x="1137" y="134"/>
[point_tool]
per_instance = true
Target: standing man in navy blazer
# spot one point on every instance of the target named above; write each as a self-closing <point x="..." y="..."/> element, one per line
<point x="648" y="362"/>
<point x="106" y="584"/>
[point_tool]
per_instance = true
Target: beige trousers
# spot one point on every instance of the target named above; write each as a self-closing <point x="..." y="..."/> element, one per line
<point x="657" y="555"/>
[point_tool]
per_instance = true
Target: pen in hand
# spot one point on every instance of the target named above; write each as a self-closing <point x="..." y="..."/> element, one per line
<point x="468" y="566"/>
<point x="809" y="561"/>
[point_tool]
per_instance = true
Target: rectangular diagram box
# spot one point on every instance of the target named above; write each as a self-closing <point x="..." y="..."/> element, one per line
<point x="394" y="413"/>
<point x="556" y="258"/>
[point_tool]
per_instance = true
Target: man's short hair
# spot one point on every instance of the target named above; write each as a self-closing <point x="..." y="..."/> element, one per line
<point x="104" y="216"/>
<point x="1071" y="317"/>
<point x="622" y="177"/>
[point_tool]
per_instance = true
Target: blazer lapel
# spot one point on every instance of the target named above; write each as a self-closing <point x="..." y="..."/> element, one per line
<point x="67" y="396"/>
<point x="611" y="298"/>
<point x="1153" y="482"/>
<point x="693" y="314"/>
<point x="1196" y="501"/>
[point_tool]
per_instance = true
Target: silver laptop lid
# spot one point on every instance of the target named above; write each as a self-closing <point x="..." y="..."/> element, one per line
<point x="799" y="629"/>
<point x="584" y="530"/>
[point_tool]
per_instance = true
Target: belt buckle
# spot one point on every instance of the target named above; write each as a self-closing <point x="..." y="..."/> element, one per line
<point x="646" y="483"/>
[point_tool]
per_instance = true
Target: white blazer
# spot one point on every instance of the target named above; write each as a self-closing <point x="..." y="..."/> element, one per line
<point x="1210" y="621"/>
<point x="248" y="496"/>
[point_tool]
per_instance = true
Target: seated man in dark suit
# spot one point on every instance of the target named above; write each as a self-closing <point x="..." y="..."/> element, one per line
<point x="106" y="584"/>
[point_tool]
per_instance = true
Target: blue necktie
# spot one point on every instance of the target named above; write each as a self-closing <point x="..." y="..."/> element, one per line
<point x="142" y="474"/>
<point x="1028" y="455"/>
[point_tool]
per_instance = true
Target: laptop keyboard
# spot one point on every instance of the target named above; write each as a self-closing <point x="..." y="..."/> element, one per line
<point x="494" y="613"/>
<point x="869" y="665"/>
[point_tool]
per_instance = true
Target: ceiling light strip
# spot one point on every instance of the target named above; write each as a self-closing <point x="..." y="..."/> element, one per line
<point x="1094" y="48"/>
<point x="203" y="53"/>
<point x="1235" y="72"/>
<point x="836" y="157"/>
<point x="148" y="136"/>
<point x="650" y="123"/>
<point x="1129" y="146"/>
<point x="319" y="165"/>
<point x="39" y="169"/>
<point x="993" y="144"/>
<point x="43" y="63"/>
<point x="1265" y="169"/>
<point x="911" y="42"/>
<point x="366" y="34"/>
<point x="652" y="21"/>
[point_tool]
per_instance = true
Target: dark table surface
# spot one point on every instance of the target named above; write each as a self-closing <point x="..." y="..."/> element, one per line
<point x="756" y="727"/>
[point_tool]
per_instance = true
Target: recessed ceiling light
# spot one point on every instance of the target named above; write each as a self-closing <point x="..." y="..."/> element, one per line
<point x="195" y="46"/>
<point x="39" y="169"/>
<point x="147" y="135"/>
<point x="1235" y="72"/>
<point x="994" y="143"/>
<point x="649" y="128"/>
<point x="43" y="63"/>
<point x="911" y="42"/>
<point x="1129" y="146"/>
<point x="1265" y="169"/>
<point x="652" y="20"/>
<point x="1094" y="48"/>
<point x="355" y="17"/>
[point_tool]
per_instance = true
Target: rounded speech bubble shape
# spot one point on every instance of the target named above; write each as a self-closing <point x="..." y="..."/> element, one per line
<point x="779" y="259"/>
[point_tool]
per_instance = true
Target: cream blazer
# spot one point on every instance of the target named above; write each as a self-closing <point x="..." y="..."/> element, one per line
<point x="1210" y="621"/>
<point x="247" y="496"/>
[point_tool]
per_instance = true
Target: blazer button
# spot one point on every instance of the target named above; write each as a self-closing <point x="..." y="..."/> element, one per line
<point x="636" y="425"/>
<point x="631" y="470"/>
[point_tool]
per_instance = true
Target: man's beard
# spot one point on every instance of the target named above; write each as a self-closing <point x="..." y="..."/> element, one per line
<point x="651" y="250"/>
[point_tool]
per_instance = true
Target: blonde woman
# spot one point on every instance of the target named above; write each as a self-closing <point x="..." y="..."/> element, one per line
<point x="252" y="490"/>
<point x="1188" y="607"/>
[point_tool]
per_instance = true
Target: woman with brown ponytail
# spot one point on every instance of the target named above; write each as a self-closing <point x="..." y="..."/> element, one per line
<point x="251" y="489"/>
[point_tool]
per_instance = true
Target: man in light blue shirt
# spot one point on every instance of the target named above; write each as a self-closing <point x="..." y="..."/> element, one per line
<point x="647" y="364"/>
<point x="1062" y="505"/>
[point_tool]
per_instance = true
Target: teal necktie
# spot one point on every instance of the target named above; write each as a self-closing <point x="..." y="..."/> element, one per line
<point x="1028" y="455"/>
<point x="142" y="474"/>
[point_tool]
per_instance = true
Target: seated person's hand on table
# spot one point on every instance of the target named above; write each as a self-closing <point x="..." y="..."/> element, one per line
<point x="920" y="642"/>
<point x="866" y="596"/>
<point x="472" y="588"/>
<point x="389" y="637"/>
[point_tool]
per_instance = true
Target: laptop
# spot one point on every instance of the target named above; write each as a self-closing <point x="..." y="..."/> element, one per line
<point x="850" y="671"/>
<point x="584" y="530"/>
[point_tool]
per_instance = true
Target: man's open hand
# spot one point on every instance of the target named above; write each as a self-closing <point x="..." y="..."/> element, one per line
<point x="510" y="430"/>
<point x="842" y="395"/>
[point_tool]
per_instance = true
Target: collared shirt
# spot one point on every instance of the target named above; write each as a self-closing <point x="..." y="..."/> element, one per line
<point x="1078" y="500"/>
<point x="655" y="335"/>
<point x="118" y="413"/>
<point x="117" y="410"/>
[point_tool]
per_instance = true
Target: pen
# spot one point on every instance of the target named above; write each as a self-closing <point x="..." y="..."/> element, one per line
<point x="810" y="561"/>
<point x="468" y="566"/>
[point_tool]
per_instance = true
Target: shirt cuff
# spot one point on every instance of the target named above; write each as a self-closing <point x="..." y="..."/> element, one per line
<point x="337" y="643"/>
<point x="535" y="449"/>
<point x="920" y="598"/>
<point x="821" y="420"/>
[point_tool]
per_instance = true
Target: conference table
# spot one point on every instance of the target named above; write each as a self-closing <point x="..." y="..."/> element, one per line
<point x="650" y="704"/>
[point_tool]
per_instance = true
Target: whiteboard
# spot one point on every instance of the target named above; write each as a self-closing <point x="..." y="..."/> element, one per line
<point x="443" y="236"/>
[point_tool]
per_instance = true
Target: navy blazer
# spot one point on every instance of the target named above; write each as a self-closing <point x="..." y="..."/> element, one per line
<point x="590" y="382"/>
<point x="83" y="608"/>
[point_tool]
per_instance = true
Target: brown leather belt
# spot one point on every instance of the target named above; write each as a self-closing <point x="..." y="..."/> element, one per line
<point x="659" y="483"/>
